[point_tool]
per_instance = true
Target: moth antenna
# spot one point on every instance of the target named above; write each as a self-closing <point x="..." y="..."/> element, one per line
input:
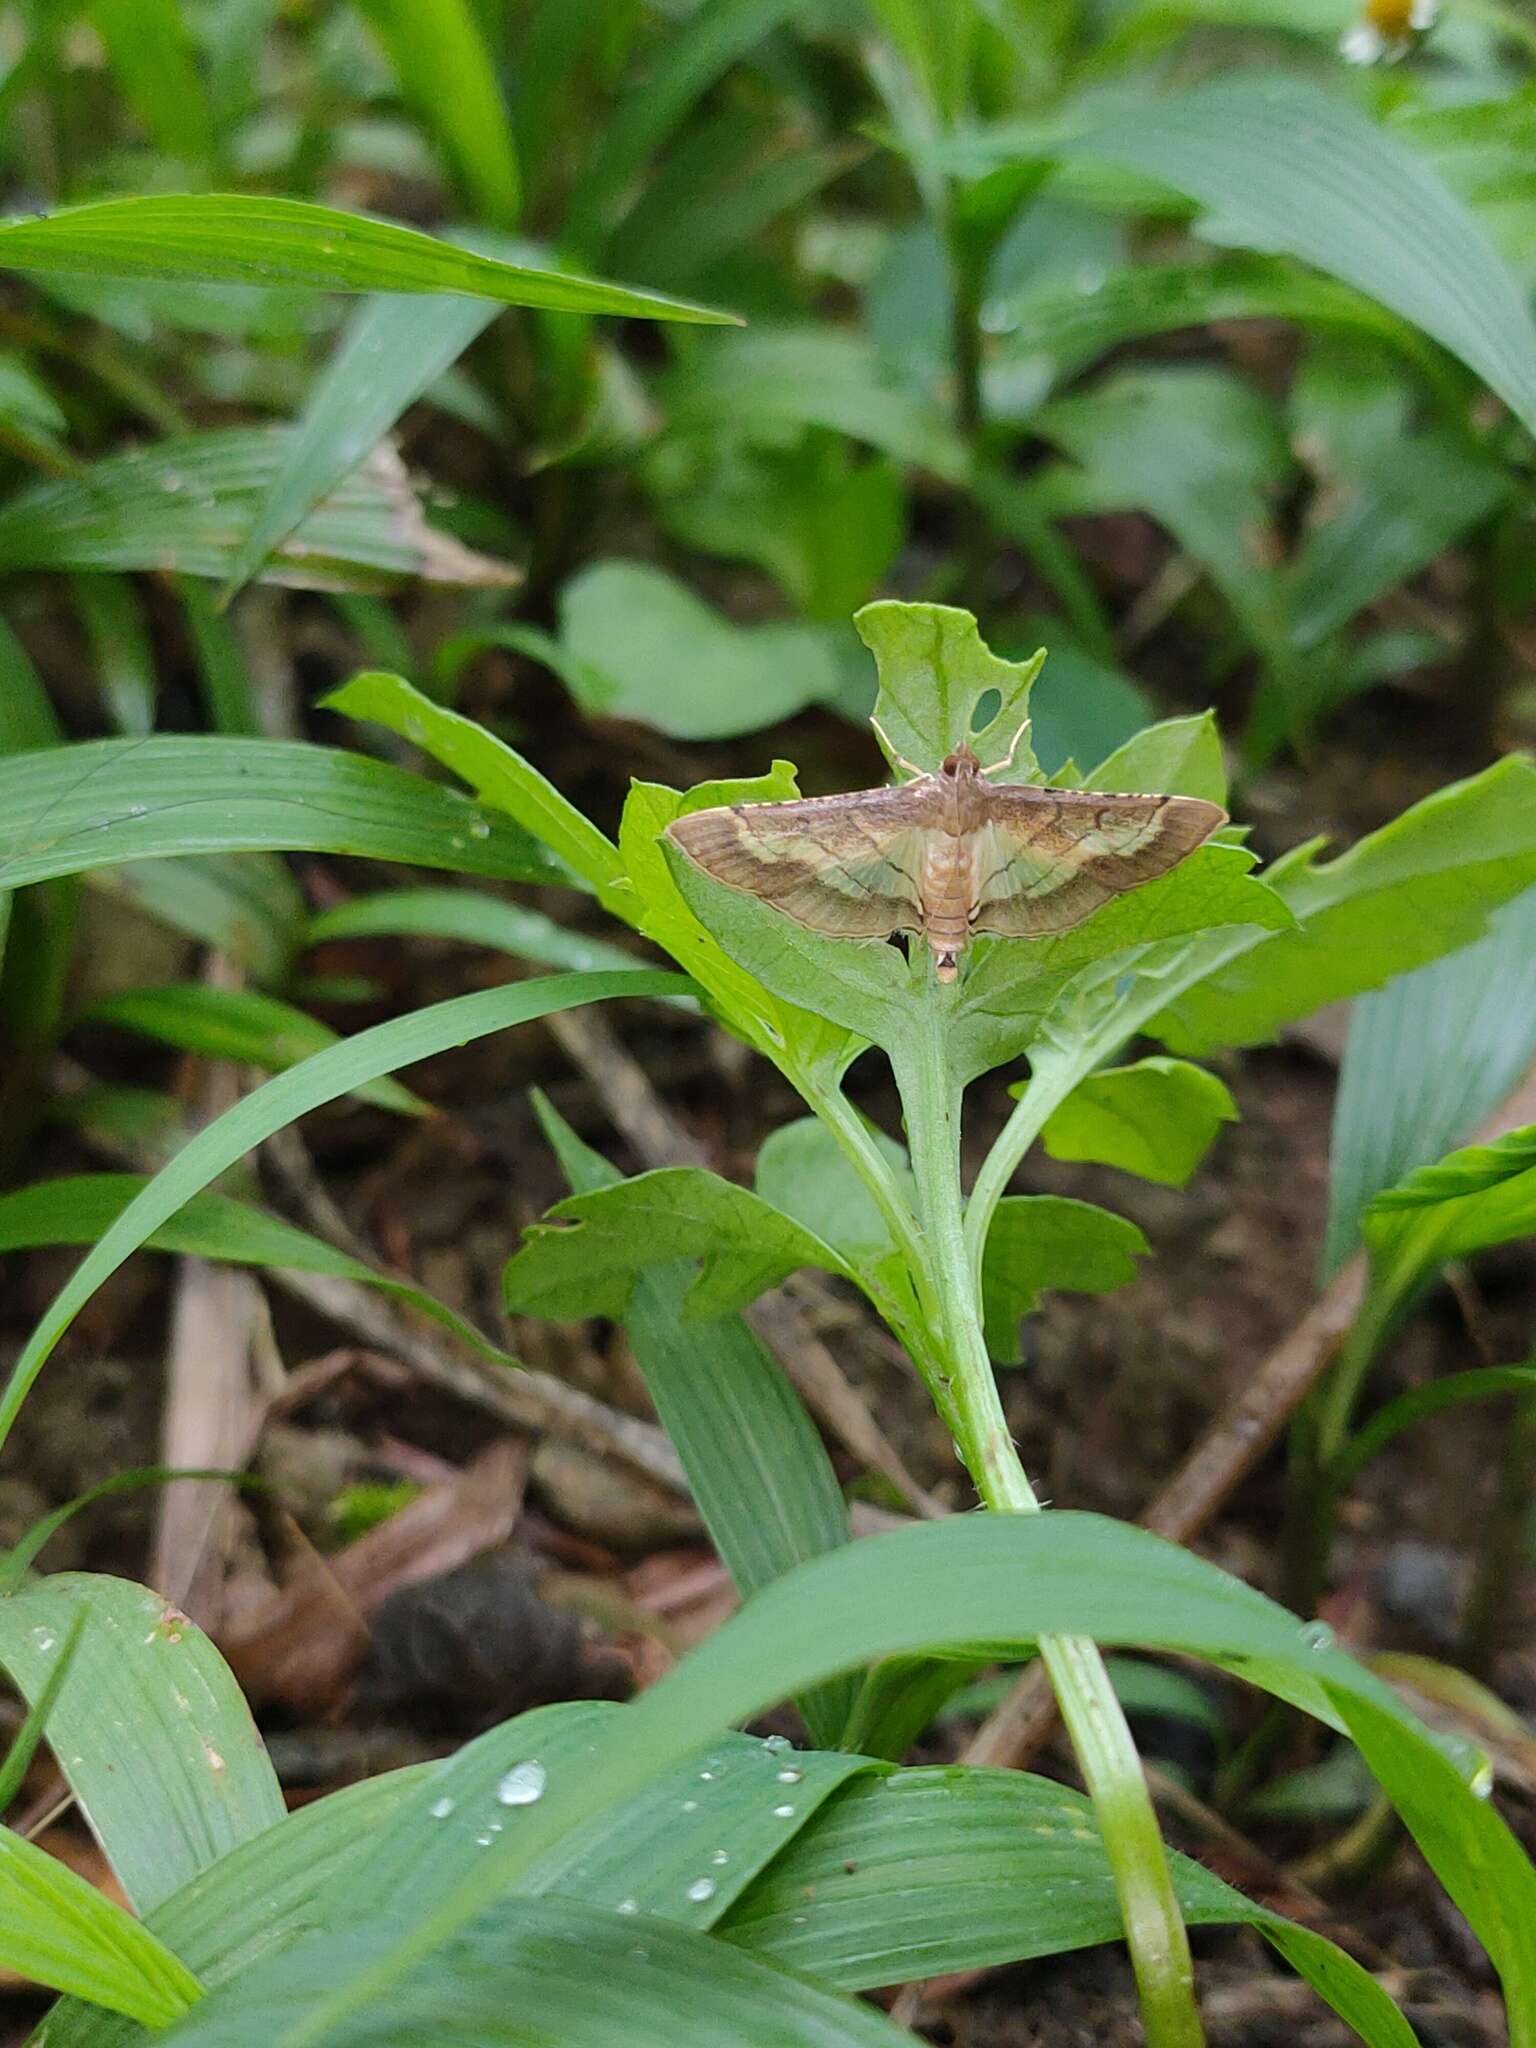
<point x="900" y="760"/>
<point x="1013" y="748"/>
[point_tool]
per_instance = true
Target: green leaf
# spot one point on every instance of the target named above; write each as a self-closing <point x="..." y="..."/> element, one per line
<point x="1156" y="1118"/>
<point x="155" y="61"/>
<point x="104" y="802"/>
<point x="1204" y="453"/>
<point x="1040" y="1242"/>
<point x="926" y="1872"/>
<point x="194" y="1781"/>
<point x="1288" y="166"/>
<point x="392" y="350"/>
<point x="470" y="918"/>
<point x="241" y="238"/>
<point x="1480" y="1383"/>
<point x="941" y="687"/>
<point x="124" y="662"/>
<point x="530" y="1979"/>
<point x="582" y="1259"/>
<point x="187" y="503"/>
<point x="499" y="776"/>
<point x="446" y="73"/>
<point x="1177" y="757"/>
<point x="757" y="384"/>
<point x="237" y="1024"/>
<point x="1426" y="1059"/>
<point x="969" y="1581"/>
<point x="804" y="1172"/>
<point x="1080" y="706"/>
<point x="756" y="1465"/>
<point x="1420" y="887"/>
<point x="638" y="644"/>
<point x="228" y="696"/>
<point x="247" y="904"/>
<point x="280" y="1101"/>
<point x="27" y="718"/>
<point x="1472" y="1200"/>
<point x="57" y="1929"/>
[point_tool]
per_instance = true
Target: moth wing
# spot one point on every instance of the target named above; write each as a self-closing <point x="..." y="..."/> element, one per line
<point x="846" y="866"/>
<point x="1049" y="858"/>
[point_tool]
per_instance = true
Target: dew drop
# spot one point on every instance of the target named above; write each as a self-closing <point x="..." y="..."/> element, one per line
<point x="138" y="810"/>
<point x="628" y="1906"/>
<point x="482" y="1841"/>
<point x="775" y="1744"/>
<point x="480" y="829"/>
<point x="784" y="1812"/>
<point x="701" y="1889"/>
<point x="522" y="1785"/>
<point x="690" y="1806"/>
<point x="719" y="1856"/>
<point x="441" y="1808"/>
<point x="1317" y="1635"/>
<point x="458" y="842"/>
<point x="789" y="1776"/>
<point x="708" y="1777"/>
<point x="44" y="1639"/>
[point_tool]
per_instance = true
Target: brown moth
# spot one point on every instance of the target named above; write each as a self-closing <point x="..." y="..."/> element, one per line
<point x="946" y="855"/>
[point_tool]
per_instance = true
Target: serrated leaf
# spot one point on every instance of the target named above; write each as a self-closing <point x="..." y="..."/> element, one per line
<point x="1176" y="757"/>
<point x="937" y="679"/>
<point x="1040" y="1242"/>
<point x="1156" y="1118"/>
<point x="244" y="238"/>
<point x="1421" y="886"/>
<point x="583" y="1259"/>
<point x="803" y="1171"/>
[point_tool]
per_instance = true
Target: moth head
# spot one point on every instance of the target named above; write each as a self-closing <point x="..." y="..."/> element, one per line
<point x="961" y="762"/>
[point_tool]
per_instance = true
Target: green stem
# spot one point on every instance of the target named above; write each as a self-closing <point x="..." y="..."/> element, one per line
<point x="1154" y="1928"/>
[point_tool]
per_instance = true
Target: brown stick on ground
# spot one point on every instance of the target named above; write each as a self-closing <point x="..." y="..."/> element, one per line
<point x="624" y="1089"/>
<point x="1231" y="1447"/>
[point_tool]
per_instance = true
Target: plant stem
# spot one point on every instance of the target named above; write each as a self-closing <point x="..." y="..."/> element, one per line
<point x="1154" y="1928"/>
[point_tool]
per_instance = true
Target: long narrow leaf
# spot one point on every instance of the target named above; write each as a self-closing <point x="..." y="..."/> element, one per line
<point x="288" y="1096"/>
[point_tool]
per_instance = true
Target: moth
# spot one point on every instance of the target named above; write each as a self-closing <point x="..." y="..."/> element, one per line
<point x="946" y="855"/>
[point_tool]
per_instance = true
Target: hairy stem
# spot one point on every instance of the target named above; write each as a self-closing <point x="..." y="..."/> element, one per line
<point x="1154" y="1927"/>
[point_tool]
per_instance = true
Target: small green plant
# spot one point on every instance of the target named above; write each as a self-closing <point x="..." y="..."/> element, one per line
<point x="670" y="1856"/>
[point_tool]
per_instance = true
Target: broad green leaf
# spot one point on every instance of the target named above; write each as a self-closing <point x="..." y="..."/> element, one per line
<point x="804" y="1172"/>
<point x="104" y="802"/>
<point x="823" y="524"/>
<point x="638" y="644"/>
<point x="1040" y="1242"/>
<point x="247" y="904"/>
<point x="1176" y="757"/>
<point x="1288" y="166"/>
<point x="119" y="642"/>
<point x="59" y="1930"/>
<point x="925" y="1872"/>
<point x="1469" y="1202"/>
<point x="194" y="1781"/>
<point x="336" y="1071"/>
<point x="1157" y="1118"/>
<point x="1426" y="1059"/>
<point x="256" y="1898"/>
<point x="941" y="687"/>
<point x="541" y="1971"/>
<point x="240" y="238"/>
<point x="500" y="777"/>
<point x="237" y="1024"/>
<point x="155" y="62"/>
<point x="759" y="383"/>
<point x="186" y="504"/>
<point x="446" y="73"/>
<point x="757" y="1467"/>
<point x="1199" y="449"/>
<point x="1421" y="886"/>
<point x="392" y="350"/>
<point x="969" y="1581"/>
<point x="582" y="1259"/>
<point x="472" y="919"/>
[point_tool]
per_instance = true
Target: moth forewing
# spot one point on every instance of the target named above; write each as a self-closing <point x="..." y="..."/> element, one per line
<point x="947" y="855"/>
